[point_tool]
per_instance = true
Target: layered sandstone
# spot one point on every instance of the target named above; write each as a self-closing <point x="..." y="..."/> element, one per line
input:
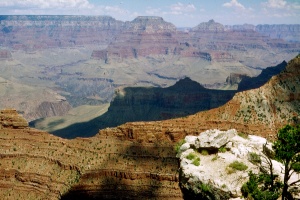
<point x="32" y="33"/>
<point x="37" y="165"/>
<point x="210" y="41"/>
<point x="289" y="32"/>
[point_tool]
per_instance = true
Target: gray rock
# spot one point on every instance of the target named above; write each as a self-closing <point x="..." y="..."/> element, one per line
<point x="214" y="139"/>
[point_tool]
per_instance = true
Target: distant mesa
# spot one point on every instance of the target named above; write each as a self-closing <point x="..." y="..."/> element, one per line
<point x="150" y="24"/>
<point x="211" y="26"/>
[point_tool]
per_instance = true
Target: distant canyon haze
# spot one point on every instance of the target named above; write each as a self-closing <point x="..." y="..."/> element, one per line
<point x="51" y="64"/>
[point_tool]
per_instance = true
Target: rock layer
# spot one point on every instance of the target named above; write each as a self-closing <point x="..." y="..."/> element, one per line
<point x="37" y="165"/>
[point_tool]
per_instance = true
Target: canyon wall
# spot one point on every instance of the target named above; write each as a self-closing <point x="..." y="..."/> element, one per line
<point x="137" y="159"/>
<point x="32" y="33"/>
<point x="38" y="165"/>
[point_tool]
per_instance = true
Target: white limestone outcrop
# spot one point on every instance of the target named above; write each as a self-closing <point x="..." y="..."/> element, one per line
<point x="213" y="178"/>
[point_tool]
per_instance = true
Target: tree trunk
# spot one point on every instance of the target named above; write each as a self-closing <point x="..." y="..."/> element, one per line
<point x="285" y="181"/>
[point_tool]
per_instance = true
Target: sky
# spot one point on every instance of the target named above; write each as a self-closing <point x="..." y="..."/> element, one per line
<point x="182" y="13"/>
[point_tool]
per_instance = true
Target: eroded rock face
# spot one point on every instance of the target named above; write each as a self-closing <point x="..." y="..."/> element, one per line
<point x="32" y="33"/>
<point x="38" y="165"/>
<point x="289" y="32"/>
<point x="212" y="177"/>
<point x="9" y="118"/>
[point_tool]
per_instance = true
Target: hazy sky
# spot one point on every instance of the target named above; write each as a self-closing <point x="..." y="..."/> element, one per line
<point x="182" y="13"/>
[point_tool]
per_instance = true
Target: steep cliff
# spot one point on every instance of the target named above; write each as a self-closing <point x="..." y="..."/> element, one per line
<point x="288" y="32"/>
<point x="32" y="33"/>
<point x="37" y="165"/>
<point x="142" y="37"/>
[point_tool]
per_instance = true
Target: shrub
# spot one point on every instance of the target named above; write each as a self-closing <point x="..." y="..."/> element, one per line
<point x="214" y="158"/>
<point x="196" y="162"/>
<point x="178" y="145"/>
<point x="259" y="187"/>
<point x="204" y="187"/>
<point x="243" y="135"/>
<point x="230" y="170"/>
<point x="254" y="158"/>
<point x="238" y="166"/>
<point x="191" y="156"/>
<point x="204" y="152"/>
<point x="222" y="149"/>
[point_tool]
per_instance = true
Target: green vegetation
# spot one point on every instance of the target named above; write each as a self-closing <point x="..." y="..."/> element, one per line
<point x="266" y="184"/>
<point x="254" y="158"/>
<point x="243" y="135"/>
<point x="222" y="149"/>
<point x="204" y="187"/>
<point x="191" y="156"/>
<point x="261" y="187"/>
<point x="178" y="145"/>
<point x="204" y="152"/>
<point x="238" y="166"/>
<point x="196" y="162"/>
<point x="287" y="149"/>
<point x="214" y="158"/>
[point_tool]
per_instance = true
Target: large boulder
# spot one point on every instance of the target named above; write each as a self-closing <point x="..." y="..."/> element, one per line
<point x="206" y="174"/>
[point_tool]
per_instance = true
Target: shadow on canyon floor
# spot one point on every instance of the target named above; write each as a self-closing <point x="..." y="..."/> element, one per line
<point x="185" y="98"/>
<point x="132" y="104"/>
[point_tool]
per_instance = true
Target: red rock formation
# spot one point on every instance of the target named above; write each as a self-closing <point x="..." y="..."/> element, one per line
<point x="38" y="165"/>
<point x="9" y="118"/>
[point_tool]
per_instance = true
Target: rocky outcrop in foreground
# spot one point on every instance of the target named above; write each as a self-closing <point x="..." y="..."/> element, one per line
<point x="206" y="169"/>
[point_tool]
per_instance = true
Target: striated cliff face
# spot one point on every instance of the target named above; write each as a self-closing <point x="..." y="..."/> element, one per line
<point x="210" y="41"/>
<point x="288" y="32"/>
<point x="32" y="33"/>
<point x="37" y="165"/>
<point x="142" y="37"/>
